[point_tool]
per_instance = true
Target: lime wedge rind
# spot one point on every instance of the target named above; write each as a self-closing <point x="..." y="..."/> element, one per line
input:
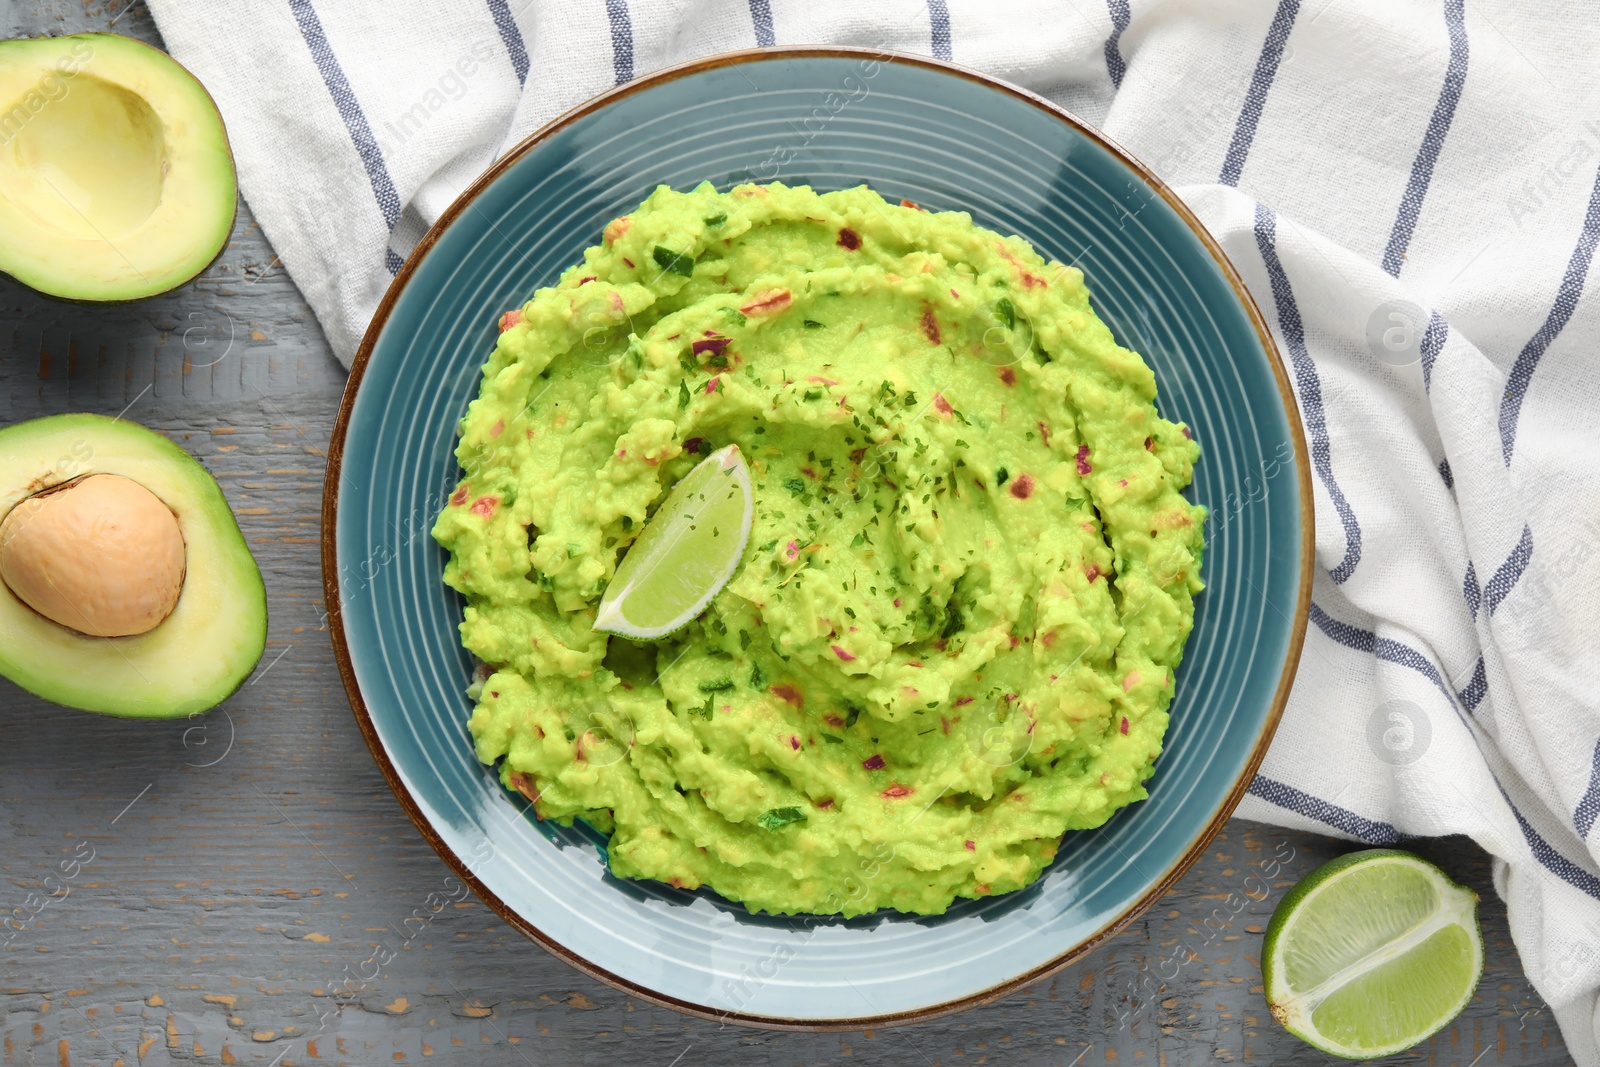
<point x="683" y="558"/>
<point x="1395" y="995"/>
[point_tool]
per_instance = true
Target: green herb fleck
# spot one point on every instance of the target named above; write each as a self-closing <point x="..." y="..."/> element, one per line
<point x="683" y="395"/>
<point x="813" y="324"/>
<point x="673" y="262"/>
<point x="795" y="486"/>
<point x="715" y="220"/>
<point x="1000" y="476"/>
<point x="1006" y="311"/>
<point x="778" y="818"/>
<point x="758" y="677"/>
<point x="719" y="685"/>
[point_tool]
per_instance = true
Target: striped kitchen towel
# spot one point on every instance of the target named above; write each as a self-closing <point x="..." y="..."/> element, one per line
<point x="1410" y="189"/>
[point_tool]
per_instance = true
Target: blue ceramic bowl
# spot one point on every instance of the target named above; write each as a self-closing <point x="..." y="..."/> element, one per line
<point x="948" y="139"/>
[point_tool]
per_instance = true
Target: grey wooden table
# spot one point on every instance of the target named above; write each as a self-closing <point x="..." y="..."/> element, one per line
<point x="241" y="865"/>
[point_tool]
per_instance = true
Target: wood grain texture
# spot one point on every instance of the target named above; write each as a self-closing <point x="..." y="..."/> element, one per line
<point x="242" y="862"/>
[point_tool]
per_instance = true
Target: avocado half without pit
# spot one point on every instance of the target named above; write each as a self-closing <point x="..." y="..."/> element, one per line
<point x="125" y="585"/>
<point x="116" y="180"/>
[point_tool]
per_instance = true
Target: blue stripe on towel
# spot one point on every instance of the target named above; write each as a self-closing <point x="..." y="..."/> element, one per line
<point x="1432" y="141"/>
<point x="344" y="98"/>
<point x="393" y="260"/>
<point x="1566" y="302"/>
<point x="511" y="37"/>
<point x="1589" y="806"/>
<point x="621" y="40"/>
<point x="1395" y="652"/>
<point x="1342" y="819"/>
<point x="1448" y="475"/>
<point x="1255" y="98"/>
<point x="1309" y="386"/>
<point x="1476" y="689"/>
<point x="1505" y="578"/>
<point x="1116" y="66"/>
<point x="1433" y="339"/>
<point x="761" y="16"/>
<point x="1471" y="592"/>
<point x="939" y="27"/>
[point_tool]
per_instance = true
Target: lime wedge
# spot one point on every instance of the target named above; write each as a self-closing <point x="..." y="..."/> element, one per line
<point x="1372" y="953"/>
<point x="686" y="554"/>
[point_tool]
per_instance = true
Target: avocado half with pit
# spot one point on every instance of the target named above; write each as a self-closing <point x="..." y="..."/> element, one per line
<point x="125" y="585"/>
<point x="116" y="180"/>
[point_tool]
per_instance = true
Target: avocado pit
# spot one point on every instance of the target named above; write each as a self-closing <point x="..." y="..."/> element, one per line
<point x="101" y="555"/>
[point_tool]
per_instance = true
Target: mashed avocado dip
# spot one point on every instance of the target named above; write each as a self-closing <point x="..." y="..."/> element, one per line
<point x="969" y="579"/>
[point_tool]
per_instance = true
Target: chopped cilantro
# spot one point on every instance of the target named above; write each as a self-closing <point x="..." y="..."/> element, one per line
<point x="719" y="685"/>
<point x="1000" y="476"/>
<point x="758" y="677"/>
<point x="673" y="262"/>
<point x="769" y="546"/>
<point x="778" y="818"/>
<point x="1006" y="312"/>
<point x="813" y="324"/>
<point x="735" y="316"/>
<point x="683" y="395"/>
<point x="795" y="486"/>
<point x="715" y="220"/>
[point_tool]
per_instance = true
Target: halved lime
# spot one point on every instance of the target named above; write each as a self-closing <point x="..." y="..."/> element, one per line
<point x="1372" y="953"/>
<point x="686" y="554"/>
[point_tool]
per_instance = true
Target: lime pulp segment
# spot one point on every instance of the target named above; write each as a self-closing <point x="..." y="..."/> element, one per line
<point x="686" y="554"/>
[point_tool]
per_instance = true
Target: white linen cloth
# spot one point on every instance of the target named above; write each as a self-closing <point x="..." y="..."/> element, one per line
<point x="1353" y="157"/>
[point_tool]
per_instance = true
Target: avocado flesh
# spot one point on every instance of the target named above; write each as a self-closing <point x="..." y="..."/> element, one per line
<point x="116" y="179"/>
<point x="196" y="657"/>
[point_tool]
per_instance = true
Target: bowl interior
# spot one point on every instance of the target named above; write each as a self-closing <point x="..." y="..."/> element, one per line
<point x="947" y="141"/>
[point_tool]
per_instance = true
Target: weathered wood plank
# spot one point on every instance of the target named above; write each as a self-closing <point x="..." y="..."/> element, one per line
<point x="241" y="865"/>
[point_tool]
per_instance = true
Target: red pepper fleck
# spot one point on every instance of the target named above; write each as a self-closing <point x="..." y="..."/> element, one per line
<point x="1091" y="571"/>
<point x="930" y="325"/>
<point x="711" y="386"/>
<point x="794" y="742"/>
<point x="849" y="239"/>
<point x="1123" y="482"/>
<point x="1124" y="724"/>
<point x="896" y="601"/>
<point x="622" y="453"/>
<point x="808" y="472"/>
<point x="941" y="405"/>
<point x="964" y="701"/>
<point x="1149" y="444"/>
<point x="510" y="319"/>
<point x="1083" y="460"/>
<point x="825" y="804"/>
<point x="895" y="792"/>
<point x="971" y="846"/>
<point x="955" y="294"/>
<point x="714" y="345"/>
<point x="873" y="762"/>
<point x="498" y="428"/>
<point x="628" y="261"/>
<point x="944" y="724"/>
<point x="913" y="205"/>
<point x="788" y="694"/>
<point x="1007" y="375"/>
<point x="819" y="380"/>
<point x="1186" y="433"/>
<point x="1015" y="640"/>
<point x="485" y="505"/>
<point x="1022" y="486"/>
<point x="494" y="694"/>
<point x="982" y="889"/>
<point x="843" y="653"/>
<point x="1044" y="435"/>
<point x="768" y="303"/>
<point x="586" y="278"/>
<point x="459" y="497"/>
<point x="1130" y="681"/>
<point x="832" y="720"/>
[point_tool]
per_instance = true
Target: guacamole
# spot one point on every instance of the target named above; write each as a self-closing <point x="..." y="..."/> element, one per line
<point x="969" y="579"/>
